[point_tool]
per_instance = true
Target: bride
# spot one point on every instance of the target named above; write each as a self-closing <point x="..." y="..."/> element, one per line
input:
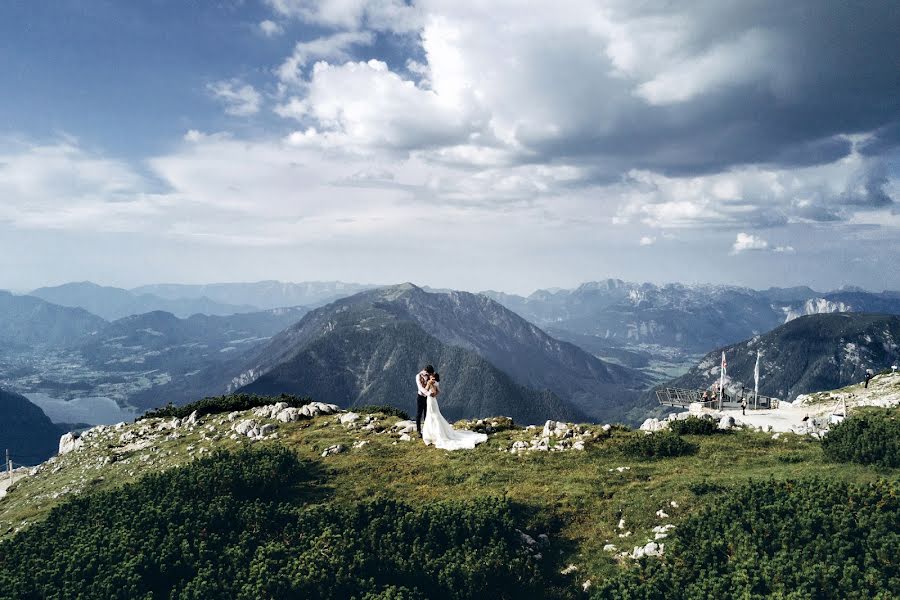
<point x="437" y="431"/>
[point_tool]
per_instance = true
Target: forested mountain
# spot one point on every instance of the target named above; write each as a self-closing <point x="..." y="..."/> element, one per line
<point x="25" y="430"/>
<point x="808" y="354"/>
<point x="114" y="303"/>
<point x="26" y="321"/>
<point x="261" y="294"/>
<point x="401" y="328"/>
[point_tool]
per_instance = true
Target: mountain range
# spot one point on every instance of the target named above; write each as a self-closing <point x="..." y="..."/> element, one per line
<point x="114" y="303"/>
<point x="26" y="322"/>
<point x="807" y="354"/>
<point x="261" y="295"/>
<point x="366" y="348"/>
<point x="624" y="315"/>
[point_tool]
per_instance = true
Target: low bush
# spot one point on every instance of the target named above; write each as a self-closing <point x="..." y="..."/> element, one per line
<point x="661" y="444"/>
<point x="869" y="437"/>
<point x="385" y="409"/>
<point x="254" y="524"/>
<point x="787" y="539"/>
<point x="695" y="426"/>
<point x="221" y="404"/>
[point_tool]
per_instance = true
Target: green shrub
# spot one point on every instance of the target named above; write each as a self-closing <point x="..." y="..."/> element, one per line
<point x="221" y="404"/>
<point x="253" y="524"/>
<point x="704" y="486"/>
<point x="385" y="409"/>
<point x="661" y="444"/>
<point x="695" y="426"/>
<point x="788" y="539"/>
<point x="869" y="437"/>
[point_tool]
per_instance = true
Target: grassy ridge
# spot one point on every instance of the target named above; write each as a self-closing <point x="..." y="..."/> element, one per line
<point x="577" y="497"/>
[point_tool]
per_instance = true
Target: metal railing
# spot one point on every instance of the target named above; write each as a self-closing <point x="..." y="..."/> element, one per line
<point x="683" y="397"/>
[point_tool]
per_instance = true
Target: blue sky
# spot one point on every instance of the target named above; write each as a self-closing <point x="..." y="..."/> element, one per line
<point x="455" y="144"/>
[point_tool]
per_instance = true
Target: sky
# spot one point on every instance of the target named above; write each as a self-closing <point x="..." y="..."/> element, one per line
<point x="464" y="144"/>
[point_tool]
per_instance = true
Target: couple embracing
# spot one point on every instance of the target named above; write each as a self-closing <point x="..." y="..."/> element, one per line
<point x="435" y="430"/>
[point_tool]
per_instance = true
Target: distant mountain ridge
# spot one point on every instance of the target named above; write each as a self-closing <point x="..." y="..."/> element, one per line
<point x="113" y="303"/>
<point x="260" y="294"/>
<point x="692" y="318"/>
<point x="808" y="354"/>
<point x="403" y="327"/>
<point x="26" y="321"/>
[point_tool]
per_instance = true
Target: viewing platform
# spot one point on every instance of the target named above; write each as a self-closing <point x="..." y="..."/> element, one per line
<point x="683" y="398"/>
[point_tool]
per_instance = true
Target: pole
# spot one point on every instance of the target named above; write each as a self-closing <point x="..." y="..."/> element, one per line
<point x="8" y="466"/>
<point x="756" y="382"/>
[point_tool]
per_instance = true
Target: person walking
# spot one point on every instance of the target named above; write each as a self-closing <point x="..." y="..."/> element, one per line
<point x="744" y="406"/>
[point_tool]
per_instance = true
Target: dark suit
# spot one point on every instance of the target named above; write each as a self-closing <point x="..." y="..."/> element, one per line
<point x="421" y="403"/>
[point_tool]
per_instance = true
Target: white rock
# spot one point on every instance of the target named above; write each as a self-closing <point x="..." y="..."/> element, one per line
<point x="288" y="415"/>
<point x="405" y="438"/>
<point x="192" y="419"/>
<point x="404" y="427"/>
<point x="606" y="427"/>
<point x="568" y="570"/>
<point x="621" y="524"/>
<point x="661" y="514"/>
<point x="267" y="429"/>
<point x="726" y="422"/>
<point x="349" y="418"/>
<point x="70" y="442"/>
<point x="360" y="444"/>
<point x="245" y="427"/>
<point x="673" y="504"/>
<point x="336" y="449"/>
<point x="609" y="548"/>
<point x="232" y="416"/>
<point x="586" y="585"/>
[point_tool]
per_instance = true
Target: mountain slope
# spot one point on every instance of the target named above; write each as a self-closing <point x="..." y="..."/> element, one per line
<point x="263" y="294"/>
<point x="26" y="321"/>
<point x="808" y="354"/>
<point x="358" y="366"/>
<point x="467" y="321"/>
<point x="25" y="430"/>
<point x="114" y="303"/>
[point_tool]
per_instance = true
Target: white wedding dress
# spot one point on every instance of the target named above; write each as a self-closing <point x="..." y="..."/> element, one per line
<point x="437" y="432"/>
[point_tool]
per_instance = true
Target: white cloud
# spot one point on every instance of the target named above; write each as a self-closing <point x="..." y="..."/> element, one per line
<point x="270" y="28"/>
<point x="333" y="47"/>
<point x="240" y="99"/>
<point x="387" y="15"/>
<point x="783" y="249"/>
<point x="394" y="114"/>
<point x="647" y="240"/>
<point x="747" y="242"/>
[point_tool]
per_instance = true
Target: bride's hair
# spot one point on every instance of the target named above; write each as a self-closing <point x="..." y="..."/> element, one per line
<point x="437" y="377"/>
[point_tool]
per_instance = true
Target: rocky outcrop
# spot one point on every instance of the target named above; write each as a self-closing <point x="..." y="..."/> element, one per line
<point x="70" y="442"/>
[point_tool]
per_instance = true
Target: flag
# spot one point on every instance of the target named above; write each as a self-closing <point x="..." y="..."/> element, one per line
<point x="756" y="374"/>
<point x="722" y="380"/>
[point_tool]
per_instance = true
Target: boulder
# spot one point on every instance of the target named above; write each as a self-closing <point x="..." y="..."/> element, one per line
<point x="404" y="427"/>
<point x="70" y="442"/>
<point x="726" y="422"/>
<point x="332" y="450"/>
<point x="349" y="419"/>
<point x="288" y="415"/>
<point x="246" y="427"/>
<point x="192" y="419"/>
<point x="267" y="429"/>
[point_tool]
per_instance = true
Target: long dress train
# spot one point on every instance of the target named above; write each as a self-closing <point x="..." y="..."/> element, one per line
<point x="438" y="432"/>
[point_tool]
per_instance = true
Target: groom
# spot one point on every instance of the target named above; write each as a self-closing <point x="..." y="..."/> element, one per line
<point x="422" y="396"/>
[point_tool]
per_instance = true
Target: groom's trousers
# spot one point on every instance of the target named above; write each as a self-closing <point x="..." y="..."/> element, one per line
<point x="421" y="411"/>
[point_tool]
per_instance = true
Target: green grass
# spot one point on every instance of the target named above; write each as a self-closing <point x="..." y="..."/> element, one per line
<point x="577" y="497"/>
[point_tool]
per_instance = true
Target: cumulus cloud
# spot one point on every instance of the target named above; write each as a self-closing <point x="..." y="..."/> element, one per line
<point x="746" y="242"/>
<point x="240" y="100"/>
<point x="333" y="47"/>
